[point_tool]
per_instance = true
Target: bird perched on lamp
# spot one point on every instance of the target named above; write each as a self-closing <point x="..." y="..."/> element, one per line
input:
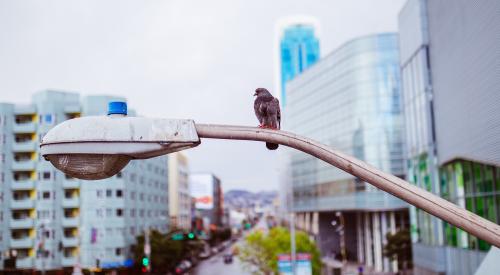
<point x="267" y="110"/>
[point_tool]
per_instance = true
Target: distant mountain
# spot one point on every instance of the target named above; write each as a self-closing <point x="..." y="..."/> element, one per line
<point x="243" y="199"/>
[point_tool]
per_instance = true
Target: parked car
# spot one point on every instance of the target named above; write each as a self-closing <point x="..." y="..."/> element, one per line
<point x="183" y="267"/>
<point x="214" y="250"/>
<point x="228" y="258"/>
<point x="204" y="255"/>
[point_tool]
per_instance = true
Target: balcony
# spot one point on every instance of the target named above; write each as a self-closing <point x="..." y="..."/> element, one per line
<point x="70" y="241"/>
<point x="22" y="223"/>
<point x="71" y="184"/>
<point x="24" y="263"/>
<point x="72" y="108"/>
<point x="28" y="109"/>
<point x="24" y="146"/>
<point x="73" y="202"/>
<point x="70" y="221"/>
<point x="23" y="185"/>
<point x="25" y="242"/>
<point x="68" y="261"/>
<point x="24" y="128"/>
<point x="22" y="204"/>
<point x="23" y="165"/>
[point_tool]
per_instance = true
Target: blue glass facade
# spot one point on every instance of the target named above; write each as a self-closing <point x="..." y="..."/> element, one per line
<point x="351" y="101"/>
<point x="299" y="50"/>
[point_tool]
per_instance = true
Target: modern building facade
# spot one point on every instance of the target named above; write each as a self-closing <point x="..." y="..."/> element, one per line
<point x="299" y="49"/>
<point x="449" y="65"/>
<point x="178" y="193"/>
<point x="53" y="221"/>
<point x="206" y="190"/>
<point x="349" y="100"/>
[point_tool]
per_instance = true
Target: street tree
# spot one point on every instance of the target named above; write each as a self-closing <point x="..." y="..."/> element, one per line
<point x="166" y="252"/>
<point x="259" y="251"/>
<point x="398" y="248"/>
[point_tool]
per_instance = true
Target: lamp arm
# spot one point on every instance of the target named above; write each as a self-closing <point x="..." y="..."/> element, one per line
<point x="433" y="204"/>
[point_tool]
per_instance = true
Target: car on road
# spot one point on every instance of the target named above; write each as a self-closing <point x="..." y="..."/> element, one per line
<point x="204" y="255"/>
<point x="183" y="267"/>
<point x="215" y="250"/>
<point x="228" y="258"/>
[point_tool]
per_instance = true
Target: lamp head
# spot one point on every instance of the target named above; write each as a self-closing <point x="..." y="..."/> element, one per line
<point x="98" y="147"/>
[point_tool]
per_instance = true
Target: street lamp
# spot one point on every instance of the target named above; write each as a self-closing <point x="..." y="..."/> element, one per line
<point x="146" y="260"/>
<point x="41" y="248"/>
<point x="99" y="147"/>
<point x="340" y="229"/>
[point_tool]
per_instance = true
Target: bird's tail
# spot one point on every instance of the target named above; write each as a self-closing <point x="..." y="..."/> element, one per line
<point x="272" y="146"/>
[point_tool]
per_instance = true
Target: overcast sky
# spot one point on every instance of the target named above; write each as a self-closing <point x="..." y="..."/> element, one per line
<point x="174" y="59"/>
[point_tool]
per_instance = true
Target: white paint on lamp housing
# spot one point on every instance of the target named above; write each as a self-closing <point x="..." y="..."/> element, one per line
<point x="100" y="146"/>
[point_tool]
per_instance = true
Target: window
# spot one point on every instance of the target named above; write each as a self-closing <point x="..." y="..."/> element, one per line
<point x="119" y="175"/>
<point x="109" y="212"/>
<point x="118" y="251"/>
<point x="109" y="193"/>
<point x="119" y="193"/>
<point x="46" y="175"/>
<point x="119" y="212"/>
<point x="46" y="195"/>
<point x="48" y="119"/>
<point x="99" y="193"/>
<point x="132" y="212"/>
<point x="98" y="213"/>
<point x="132" y="195"/>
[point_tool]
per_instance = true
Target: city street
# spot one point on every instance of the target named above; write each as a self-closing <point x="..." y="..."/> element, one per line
<point x="216" y="265"/>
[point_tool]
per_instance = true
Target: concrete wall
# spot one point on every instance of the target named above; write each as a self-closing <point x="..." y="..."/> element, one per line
<point x="465" y="67"/>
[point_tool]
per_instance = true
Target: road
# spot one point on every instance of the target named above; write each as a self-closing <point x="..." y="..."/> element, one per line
<point x="216" y="265"/>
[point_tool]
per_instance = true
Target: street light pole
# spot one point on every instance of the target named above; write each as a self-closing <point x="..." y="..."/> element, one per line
<point x="342" y="236"/>
<point x="292" y="242"/>
<point x="412" y="194"/>
<point x="79" y="147"/>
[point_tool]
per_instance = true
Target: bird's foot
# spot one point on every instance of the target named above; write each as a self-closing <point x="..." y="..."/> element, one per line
<point x="262" y="126"/>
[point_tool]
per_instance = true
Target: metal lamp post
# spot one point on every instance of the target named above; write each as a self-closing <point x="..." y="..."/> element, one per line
<point x="341" y="230"/>
<point x="41" y="248"/>
<point x="99" y="147"/>
<point x="147" y="241"/>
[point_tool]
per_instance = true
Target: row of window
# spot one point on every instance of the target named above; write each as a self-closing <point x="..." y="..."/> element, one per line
<point x="119" y="212"/>
<point x="109" y="193"/>
<point x="142" y="180"/>
<point x="119" y="193"/>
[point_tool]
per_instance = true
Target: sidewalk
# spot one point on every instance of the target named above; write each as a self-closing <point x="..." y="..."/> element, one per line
<point x="331" y="266"/>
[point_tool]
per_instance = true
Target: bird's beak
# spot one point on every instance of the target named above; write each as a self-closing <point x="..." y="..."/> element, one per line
<point x="255" y="94"/>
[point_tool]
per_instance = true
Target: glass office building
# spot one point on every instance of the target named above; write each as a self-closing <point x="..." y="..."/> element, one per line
<point x="350" y="100"/>
<point x="451" y="99"/>
<point x="299" y="48"/>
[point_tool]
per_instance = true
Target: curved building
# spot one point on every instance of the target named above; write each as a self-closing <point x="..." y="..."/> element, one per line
<point x="349" y="100"/>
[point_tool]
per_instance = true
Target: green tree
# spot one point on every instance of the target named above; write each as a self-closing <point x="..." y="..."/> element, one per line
<point x="398" y="248"/>
<point x="166" y="253"/>
<point x="260" y="251"/>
